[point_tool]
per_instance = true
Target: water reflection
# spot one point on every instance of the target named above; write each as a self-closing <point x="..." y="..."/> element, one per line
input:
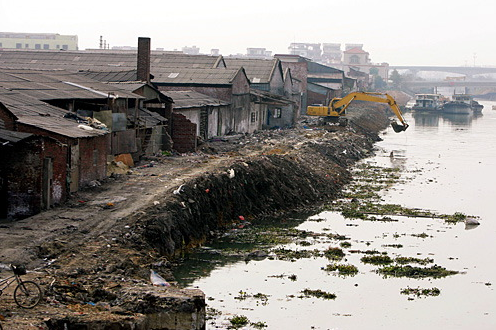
<point x="429" y="119"/>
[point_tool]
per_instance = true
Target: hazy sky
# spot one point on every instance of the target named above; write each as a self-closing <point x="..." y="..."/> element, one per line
<point x="398" y="32"/>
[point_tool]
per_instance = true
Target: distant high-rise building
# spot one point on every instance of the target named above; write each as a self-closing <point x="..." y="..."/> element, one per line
<point x="258" y="53"/>
<point x="331" y="53"/>
<point x="191" y="50"/>
<point x="41" y="41"/>
<point x="308" y="50"/>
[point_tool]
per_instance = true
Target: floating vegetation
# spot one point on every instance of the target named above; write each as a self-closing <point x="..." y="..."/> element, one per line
<point x="337" y="237"/>
<point x="410" y="260"/>
<point x="377" y="260"/>
<point x="396" y="246"/>
<point x="260" y="297"/>
<point x="422" y="235"/>
<point x="292" y="277"/>
<point x="212" y="313"/>
<point x="334" y="253"/>
<point x="259" y="325"/>
<point x="342" y="269"/>
<point x="292" y="255"/>
<point x="415" y="272"/>
<point x="238" y="321"/>
<point x="345" y="245"/>
<point x="371" y="252"/>
<point x="419" y="292"/>
<point x="455" y="217"/>
<point x="318" y="294"/>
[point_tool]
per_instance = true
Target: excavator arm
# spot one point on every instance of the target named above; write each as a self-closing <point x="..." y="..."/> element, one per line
<point x="337" y="107"/>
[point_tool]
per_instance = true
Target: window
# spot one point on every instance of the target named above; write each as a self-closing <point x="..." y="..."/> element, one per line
<point x="354" y="59"/>
<point x="277" y="113"/>
<point x="65" y="47"/>
<point x="26" y="45"/>
<point x="0" y="45"/>
<point x="46" y="46"/>
<point x="253" y="117"/>
<point x="58" y="47"/>
<point x="37" y="46"/>
<point x="18" y="45"/>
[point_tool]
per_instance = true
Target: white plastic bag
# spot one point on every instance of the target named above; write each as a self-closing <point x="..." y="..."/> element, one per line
<point x="157" y="280"/>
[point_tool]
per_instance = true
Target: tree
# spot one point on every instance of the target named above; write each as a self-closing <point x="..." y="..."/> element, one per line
<point x="396" y="78"/>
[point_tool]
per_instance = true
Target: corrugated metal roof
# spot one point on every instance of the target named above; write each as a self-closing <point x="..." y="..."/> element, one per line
<point x="111" y="76"/>
<point x="259" y="71"/>
<point x="13" y="137"/>
<point x="60" y="125"/>
<point x="271" y="97"/>
<point x="31" y="111"/>
<point x="195" y="76"/>
<point x="107" y="60"/>
<point x="191" y="99"/>
<point x="50" y="85"/>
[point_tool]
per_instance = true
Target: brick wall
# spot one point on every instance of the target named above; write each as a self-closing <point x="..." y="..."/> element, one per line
<point x="183" y="134"/>
<point x="22" y="171"/>
<point x="93" y="159"/>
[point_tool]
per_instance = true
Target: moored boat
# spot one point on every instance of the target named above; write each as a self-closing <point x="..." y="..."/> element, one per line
<point x="428" y="102"/>
<point x="462" y="104"/>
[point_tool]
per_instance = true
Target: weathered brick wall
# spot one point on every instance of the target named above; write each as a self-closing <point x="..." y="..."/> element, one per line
<point x="7" y="118"/>
<point x="183" y="134"/>
<point x="22" y="171"/>
<point x="87" y="170"/>
<point x="93" y="159"/>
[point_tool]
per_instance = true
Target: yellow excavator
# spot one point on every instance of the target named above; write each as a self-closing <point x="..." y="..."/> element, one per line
<point x="337" y="108"/>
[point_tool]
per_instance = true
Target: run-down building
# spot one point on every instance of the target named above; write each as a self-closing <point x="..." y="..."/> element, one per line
<point x="206" y="112"/>
<point x="45" y="155"/>
<point x="272" y="99"/>
<point x="76" y="126"/>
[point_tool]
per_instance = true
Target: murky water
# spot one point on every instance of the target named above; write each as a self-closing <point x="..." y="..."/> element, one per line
<point x="450" y="163"/>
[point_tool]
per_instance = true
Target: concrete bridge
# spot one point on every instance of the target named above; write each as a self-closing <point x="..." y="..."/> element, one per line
<point x="432" y="84"/>
<point x="468" y="71"/>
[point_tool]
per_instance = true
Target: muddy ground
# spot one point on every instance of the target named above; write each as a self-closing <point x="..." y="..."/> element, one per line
<point x="93" y="255"/>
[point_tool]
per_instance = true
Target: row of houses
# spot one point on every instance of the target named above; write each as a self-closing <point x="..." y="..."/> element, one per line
<point x="64" y="115"/>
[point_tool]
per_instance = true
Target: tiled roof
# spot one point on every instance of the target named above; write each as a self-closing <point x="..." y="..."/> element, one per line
<point x="355" y="50"/>
<point x="259" y="71"/>
<point x="191" y="99"/>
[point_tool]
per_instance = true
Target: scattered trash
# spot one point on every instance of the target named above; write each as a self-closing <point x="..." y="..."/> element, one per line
<point x="178" y="190"/>
<point x="157" y="280"/>
<point x="230" y="173"/>
<point x="156" y="203"/>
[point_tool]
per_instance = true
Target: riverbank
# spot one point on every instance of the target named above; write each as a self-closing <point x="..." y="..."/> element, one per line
<point x="93" y="256"/>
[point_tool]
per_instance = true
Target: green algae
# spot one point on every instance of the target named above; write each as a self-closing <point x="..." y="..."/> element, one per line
<point x="342" y="269"/>
<point x="318" y="294"/>
<point x="415" y="272"/>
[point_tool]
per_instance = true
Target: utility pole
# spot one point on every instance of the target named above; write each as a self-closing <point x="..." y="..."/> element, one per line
<point x="475" y="56"/>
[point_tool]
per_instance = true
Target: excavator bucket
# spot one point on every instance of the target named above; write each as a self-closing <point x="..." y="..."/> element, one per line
<point x="398" y="128"/>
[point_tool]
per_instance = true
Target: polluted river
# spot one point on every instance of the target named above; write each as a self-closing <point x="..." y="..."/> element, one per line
<point x="396" y="250"/>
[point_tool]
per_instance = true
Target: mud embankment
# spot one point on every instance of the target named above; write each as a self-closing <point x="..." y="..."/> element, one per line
<point x="251" y="188"/>
<point x="104" y="282"/>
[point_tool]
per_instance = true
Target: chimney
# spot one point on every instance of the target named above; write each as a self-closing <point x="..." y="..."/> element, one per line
<point x="143" y="64"/>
